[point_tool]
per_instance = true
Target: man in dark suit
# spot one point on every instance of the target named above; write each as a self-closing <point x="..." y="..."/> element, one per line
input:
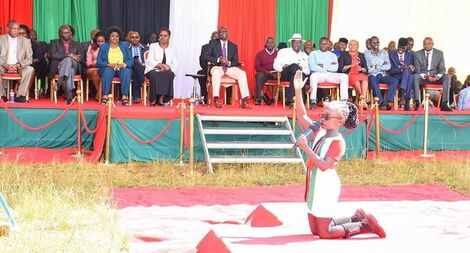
<point x="224" y="55"/>
<point x="430" y="69"/>
<point x="66" y="59"/>
<point x="402" y="69"/>
<point x="203" y="71"/>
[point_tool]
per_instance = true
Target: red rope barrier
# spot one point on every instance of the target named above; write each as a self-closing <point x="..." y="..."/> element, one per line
<point x="412" y="120"/>
<point x="30" y="128"/>
<point x="449" y="121"/>
<point x="98" y="124"/>
<point x="143" y="141"/>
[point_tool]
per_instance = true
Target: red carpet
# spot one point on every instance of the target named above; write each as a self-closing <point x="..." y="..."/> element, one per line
<point x="415" y="155"/>
<point x="44" y="155"/>
<point x="146" y="196"/>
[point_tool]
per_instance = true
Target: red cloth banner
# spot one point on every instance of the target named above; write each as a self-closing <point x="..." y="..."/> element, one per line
<point x="249" y="23"/>
<point x="19" y="10"/>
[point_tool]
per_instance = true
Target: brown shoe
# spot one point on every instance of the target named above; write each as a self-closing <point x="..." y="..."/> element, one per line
<point x="374" y="226"/>
<point x="245" y="105"/>
<point x="218" y="104"/>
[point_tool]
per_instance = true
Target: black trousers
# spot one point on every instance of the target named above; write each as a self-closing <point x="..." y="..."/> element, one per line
<point x="161" y="83"/>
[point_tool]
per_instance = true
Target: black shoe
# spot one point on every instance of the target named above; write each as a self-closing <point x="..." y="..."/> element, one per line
<point x="417" y="105"/>
<point x="258" y="101"/>
<point x="136" y="101"/>
<point x="4" y="98"/>
<point x="21" y="99"/>
<point x="266" y="99"/>
<point x="445" y="107"/>
<point x="69" y="100"/>
<point x="385" y="106"/>
<point x="407" y="105"/>
<point x="291" y="106"/>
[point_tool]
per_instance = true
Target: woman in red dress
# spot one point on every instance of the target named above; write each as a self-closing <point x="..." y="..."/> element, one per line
<point x="353" y="63"/>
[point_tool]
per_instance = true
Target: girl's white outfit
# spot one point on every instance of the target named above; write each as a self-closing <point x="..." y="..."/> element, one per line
<point x="324" y="187"/>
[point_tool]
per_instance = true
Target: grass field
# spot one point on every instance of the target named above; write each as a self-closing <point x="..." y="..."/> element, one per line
<point x="65" y="207"/>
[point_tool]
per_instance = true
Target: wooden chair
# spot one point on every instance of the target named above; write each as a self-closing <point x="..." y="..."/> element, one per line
<point x="277" y="84"/>
<point x="55" y="79"/>
<point x="114" y="82"/>
<point x="16" y="78"/>
<point x="225" y="82"/>
<point x="435" y="87"/>
<point x="144" y="90"/>
<point x="385" y="87"/>
<point x="332" y="87"/>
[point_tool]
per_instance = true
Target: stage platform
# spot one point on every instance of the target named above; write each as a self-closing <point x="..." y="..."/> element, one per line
<point x="42" y="131"/>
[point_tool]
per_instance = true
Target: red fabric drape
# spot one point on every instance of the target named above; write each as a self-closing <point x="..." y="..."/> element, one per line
<point x="249" y="23"/>
<point x="330" y="16"/>
<point x="19" y="10"/>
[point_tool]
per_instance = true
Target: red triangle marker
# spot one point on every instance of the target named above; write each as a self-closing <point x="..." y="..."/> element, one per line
<point x="262" y="217"/>
<point x="211" y="243"/>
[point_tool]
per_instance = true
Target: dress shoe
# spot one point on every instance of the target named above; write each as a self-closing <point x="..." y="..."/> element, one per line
<point x="407" y="105"/>
<point x="69" y="100"/>
<point x="4" y="98"/>
<point x="385" y="106"/>
<point x="291" y="106"/>
<point x="258" y="101"/>
<point x="21" y="99"/>
<point x="245" y="105"/>
<point x="417" y="105"/>
<point x="445" y="107"/>
<point x="218" y="104"/>
<point x="266" y="99"/>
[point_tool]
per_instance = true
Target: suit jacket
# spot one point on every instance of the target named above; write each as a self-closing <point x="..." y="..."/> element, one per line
<point x="57" y="53"/>
<point x="395" y="61"/>
<point x="345" y="59"/>
<point x="102" y="60"/>
<point x="202" y="62"/>
<point x="24" y="50"/>
<point x="437" y="62"/>
<point x="214" y="51"/>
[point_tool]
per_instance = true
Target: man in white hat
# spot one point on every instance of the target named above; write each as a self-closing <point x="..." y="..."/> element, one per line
<point x="288" y="61"/>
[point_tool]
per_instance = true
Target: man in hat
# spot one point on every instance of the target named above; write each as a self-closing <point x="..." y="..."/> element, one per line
<point x="288" y="61"/>
<point x="402" y="69"/>
<point x="324" y="67"/>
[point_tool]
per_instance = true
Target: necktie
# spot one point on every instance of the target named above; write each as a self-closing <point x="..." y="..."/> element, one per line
<point x="224" y="55"/>
<point x="402" y="61"/>
<point x="427" y="60"/>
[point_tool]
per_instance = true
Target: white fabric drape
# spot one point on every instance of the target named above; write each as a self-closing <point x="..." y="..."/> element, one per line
<point x="191" y="25"/>
<point x="447" y="22"/>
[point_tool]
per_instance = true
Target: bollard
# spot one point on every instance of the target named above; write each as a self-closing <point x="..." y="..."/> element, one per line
<point x="182" y="107"/>
<point x="191" y="133"/>
<point x="426" y="123"/>
<point x="79" y="152"/>
<point x="377" y="128"/>
<point x="110" y="104"/>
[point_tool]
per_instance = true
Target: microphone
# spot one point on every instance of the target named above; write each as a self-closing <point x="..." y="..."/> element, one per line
<point x="312" y="128"/>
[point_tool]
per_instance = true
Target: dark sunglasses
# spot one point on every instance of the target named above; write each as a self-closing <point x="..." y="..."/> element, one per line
<point x="327" y="117"/>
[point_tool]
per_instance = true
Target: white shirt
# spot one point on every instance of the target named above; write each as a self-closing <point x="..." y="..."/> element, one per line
<point x="289" y="56"/>
<point x="12" y="50"/>
<point x="155" y="57"/>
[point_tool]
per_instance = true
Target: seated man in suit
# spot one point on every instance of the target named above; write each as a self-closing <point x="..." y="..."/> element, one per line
<point x="224" y="55"/>
<point x="402" y="69"/>
<point x="264" y="69"/>
<point x="288" y="61"/>
<point x="137" y="53"/>
<point x="324" y="67"/>
<point x="203" y="71"/>
<point x="16" y="56"/>
<point x="378" y="63"/>
<point x="430" y="68"/>
<point x="409" y="46"/>
<point x="66" y="59"/>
